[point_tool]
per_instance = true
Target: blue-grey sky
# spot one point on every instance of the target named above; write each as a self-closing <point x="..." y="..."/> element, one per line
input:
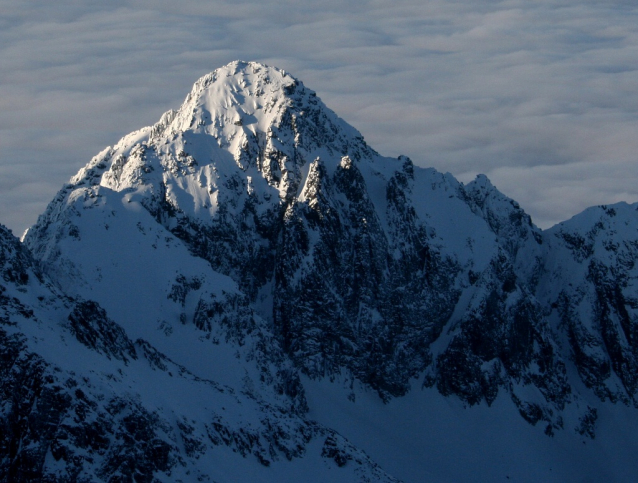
<point x="542" y="96"/>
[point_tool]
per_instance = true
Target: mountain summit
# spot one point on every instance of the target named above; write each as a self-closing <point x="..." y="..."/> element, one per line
<point x="261" y="296"/>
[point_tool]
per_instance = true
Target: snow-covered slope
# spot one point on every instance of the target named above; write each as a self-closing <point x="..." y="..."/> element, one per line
<point x="83" y="401"/>
<point x="254" y="239"/>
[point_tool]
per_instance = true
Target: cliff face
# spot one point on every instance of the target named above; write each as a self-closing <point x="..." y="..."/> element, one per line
<point x="253" y="239"/>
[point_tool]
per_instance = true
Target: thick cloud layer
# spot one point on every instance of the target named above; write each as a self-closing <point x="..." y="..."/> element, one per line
<point x="541" y="96"/>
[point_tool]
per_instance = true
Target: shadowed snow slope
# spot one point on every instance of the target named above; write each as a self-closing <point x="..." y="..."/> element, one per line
<point x="248" y="273"/>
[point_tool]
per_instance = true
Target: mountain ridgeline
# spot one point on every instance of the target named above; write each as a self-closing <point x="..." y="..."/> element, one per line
<point x="251" y="243"/>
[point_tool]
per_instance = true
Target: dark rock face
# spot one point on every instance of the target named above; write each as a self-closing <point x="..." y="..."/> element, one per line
<point x="505" y="343"/>
<point x="349" y="293"/>
<point x="339" y="299"/>
<point x="14" y="259"/>
<point x="597" y="306"/>
<point x="33" y="411"/>
<point x="46" y="411"/>
<point x="342" y="301"/>
<point x="57" y="428"/>
<point x="91" y="326"/>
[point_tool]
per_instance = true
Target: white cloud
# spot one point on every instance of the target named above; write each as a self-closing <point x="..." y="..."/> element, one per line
<point x="541" y="96"/>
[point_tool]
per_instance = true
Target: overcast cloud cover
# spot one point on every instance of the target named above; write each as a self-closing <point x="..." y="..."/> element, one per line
<point x="540" y="95"/>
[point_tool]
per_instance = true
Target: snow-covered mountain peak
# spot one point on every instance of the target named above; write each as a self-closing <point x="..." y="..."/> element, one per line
<point x="254" y="239"/>
<point x="247" y="107"/>
<point x="244" y="120"/>
<point x="482" y="192"/>
<point x="482" y="181"/>
<point x="240" y="94"/>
